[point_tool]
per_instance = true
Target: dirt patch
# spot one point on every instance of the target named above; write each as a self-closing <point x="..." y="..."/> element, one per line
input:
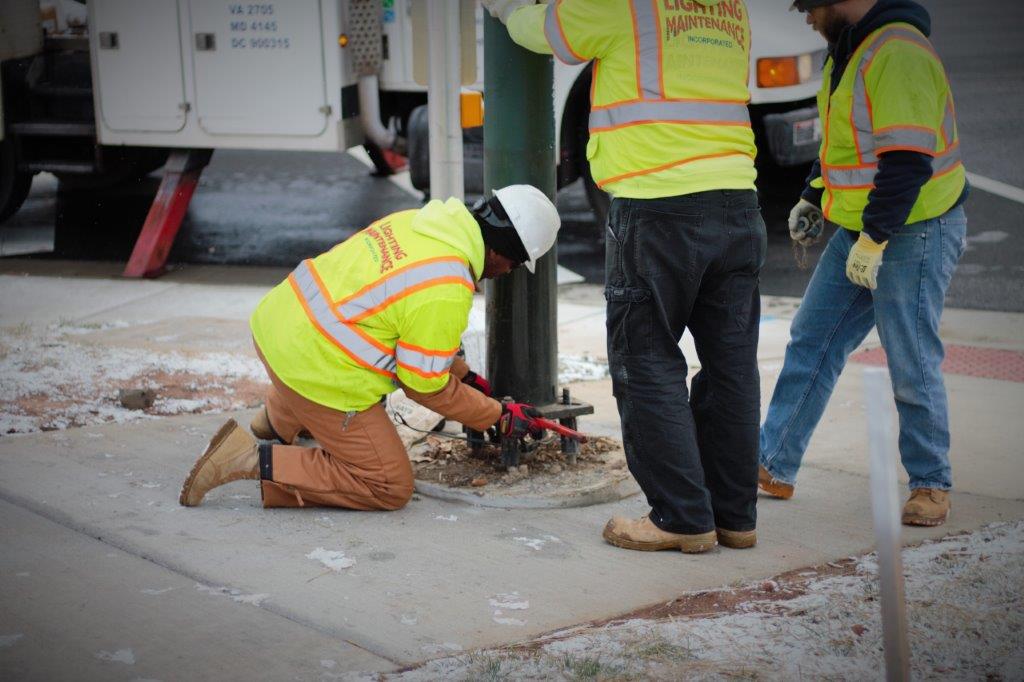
<point x="710" y="603"/>
<point x="53" y="381"/>
<point x="64" y="406"/>
<point x="768" y="596"/>
<point x="452" y="463"/>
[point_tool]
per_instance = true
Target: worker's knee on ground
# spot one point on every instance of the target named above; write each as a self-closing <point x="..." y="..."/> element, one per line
<point x="396" y="492"/>
<point x="395" y="496"/>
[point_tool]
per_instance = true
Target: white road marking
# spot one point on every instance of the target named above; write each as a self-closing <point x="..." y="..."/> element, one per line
<point x="1000" y="189"/>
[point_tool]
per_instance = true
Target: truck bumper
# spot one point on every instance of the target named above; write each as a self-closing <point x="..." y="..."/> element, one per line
<point x="794" y="136"/>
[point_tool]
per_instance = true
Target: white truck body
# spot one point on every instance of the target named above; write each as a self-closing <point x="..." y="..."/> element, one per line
<point x="107" y="100"/>
<point x="220" y="74"/>
<point x="269" y="75"/>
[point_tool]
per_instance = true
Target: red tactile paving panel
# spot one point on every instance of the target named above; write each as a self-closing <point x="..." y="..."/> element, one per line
<point x="972" y="361"/>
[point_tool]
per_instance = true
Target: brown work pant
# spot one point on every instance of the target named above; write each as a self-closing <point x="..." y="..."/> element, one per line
<point x="360" y="464"/>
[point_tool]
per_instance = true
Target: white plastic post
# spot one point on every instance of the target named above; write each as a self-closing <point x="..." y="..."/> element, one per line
<point x="885" y="506"/>
<point x="443" y="106"/>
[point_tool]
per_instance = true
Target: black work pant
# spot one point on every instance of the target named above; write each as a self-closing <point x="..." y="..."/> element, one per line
<point x="691" y="262"/>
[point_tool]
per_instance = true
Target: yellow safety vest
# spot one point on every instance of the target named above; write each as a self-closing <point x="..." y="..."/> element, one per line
<point x="894" y="95"/>
<point x="386" y="306"/>
<point x="669" y="96"/>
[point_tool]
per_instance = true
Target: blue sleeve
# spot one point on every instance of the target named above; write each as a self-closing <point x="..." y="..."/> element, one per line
<point x="898" y="183"/>
<point x="812" y="193"/>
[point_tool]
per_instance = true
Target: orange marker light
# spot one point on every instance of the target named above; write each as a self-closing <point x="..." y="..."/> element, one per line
<point x="472" y="108"/>
<point x="343" y="40"/>
<point x="777" y="72"/>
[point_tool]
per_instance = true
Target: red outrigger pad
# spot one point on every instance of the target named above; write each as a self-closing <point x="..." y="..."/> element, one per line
<point x="181" y="175"/>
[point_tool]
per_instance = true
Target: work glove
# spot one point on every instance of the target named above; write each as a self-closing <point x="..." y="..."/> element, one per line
<point x="864" y="261"/>
<point x="519" y="419"/>
<point x="805" y="223"/>
<point x="503" y="9"/>
<point x="478" y="382"/>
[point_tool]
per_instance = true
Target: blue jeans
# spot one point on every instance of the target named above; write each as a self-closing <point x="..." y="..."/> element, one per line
<point x="834" y="318"/>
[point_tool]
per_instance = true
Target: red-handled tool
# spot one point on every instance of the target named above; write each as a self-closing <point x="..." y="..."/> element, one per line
<point x="559" y="429"/>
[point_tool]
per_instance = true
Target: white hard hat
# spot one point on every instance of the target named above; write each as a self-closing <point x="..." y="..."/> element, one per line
<point x="534" y="218"/>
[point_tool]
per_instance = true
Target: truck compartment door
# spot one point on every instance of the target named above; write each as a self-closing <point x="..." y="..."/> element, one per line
<point x="136" y="48"/>
<point x="259" y="67"/>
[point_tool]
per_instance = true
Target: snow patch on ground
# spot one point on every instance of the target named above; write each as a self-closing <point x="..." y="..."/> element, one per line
<point x="126" y="656"/>
<point x="52" y="379"/>
<point x="536" y="543"/>
<point x="235" y="595"/>
<point x="965" y="610"/>
<point x="332" y="559"/>
<point x="581" y="368"/>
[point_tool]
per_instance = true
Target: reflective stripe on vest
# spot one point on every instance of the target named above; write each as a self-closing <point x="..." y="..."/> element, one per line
<point x="863" y="177"/>
<point x="313" y="296"/>
<point x="869" y="142"/>
<point x="905" y="137"/>
<point x="694" y="112"/>
<point x="410" y="279"/>
<point x="556" y="37"/>
<point x="426" y="363"/>
<point x="648" y="50"/>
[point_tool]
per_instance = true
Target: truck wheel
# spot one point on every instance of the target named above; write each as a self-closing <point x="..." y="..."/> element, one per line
<point x="14" y="184"/>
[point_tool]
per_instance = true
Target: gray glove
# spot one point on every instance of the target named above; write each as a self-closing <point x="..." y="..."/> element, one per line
<point x="805" y="223"/>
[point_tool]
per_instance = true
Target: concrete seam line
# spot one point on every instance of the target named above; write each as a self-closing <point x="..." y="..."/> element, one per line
<point x="65" y="520"/>
<point x="1000" y="189"/>
<point x="141" y="297"/>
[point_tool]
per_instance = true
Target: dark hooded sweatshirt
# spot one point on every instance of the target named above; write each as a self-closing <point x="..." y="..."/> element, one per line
<point x="901" y="174"/>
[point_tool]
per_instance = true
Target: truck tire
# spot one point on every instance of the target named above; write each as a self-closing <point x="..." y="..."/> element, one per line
<point x="14" y="184"/>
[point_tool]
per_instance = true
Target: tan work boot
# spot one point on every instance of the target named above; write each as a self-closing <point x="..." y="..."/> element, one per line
<point x="231" y="455"/>
<point x="773" y="486"/>
<point x="926" y="507"/>
<point x="736" y="539"/>
<point x="260" y="426"/>
<point x="643" y="535"/>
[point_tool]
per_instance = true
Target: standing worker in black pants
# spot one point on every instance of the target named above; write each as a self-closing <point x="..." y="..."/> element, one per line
<point x="670" y="140"/>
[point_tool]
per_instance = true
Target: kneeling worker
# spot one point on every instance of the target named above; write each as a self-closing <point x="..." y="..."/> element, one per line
<point x="384" y="309"/>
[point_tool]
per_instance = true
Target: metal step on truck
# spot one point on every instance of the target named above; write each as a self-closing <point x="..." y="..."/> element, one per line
<point x="113" y="90"/>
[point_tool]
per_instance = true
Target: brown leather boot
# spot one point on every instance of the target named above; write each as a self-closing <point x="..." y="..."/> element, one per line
<point x="926" y="507"/>
<point x="643" y="535"/>
<point x="736" y="539"/>
<point x="231" y="455"/>
<point x="773" y="486"/>
<point x="260" y="426"/>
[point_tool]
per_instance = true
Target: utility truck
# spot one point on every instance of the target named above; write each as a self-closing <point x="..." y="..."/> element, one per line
<point x="112" y="88"/>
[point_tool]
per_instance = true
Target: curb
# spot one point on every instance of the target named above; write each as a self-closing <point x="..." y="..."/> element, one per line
<point x="610" y="491"/>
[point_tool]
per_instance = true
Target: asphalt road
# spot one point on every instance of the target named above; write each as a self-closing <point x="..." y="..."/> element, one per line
<point x="276" y="208"/>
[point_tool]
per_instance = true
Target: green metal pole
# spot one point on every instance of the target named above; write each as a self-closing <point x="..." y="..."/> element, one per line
<point x="519" y="147"/>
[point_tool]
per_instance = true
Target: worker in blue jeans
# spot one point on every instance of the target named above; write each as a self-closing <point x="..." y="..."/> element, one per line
<point x="890" y="175"/>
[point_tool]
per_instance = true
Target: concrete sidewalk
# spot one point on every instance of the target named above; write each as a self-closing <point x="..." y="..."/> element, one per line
<point x="105" y="576"/>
